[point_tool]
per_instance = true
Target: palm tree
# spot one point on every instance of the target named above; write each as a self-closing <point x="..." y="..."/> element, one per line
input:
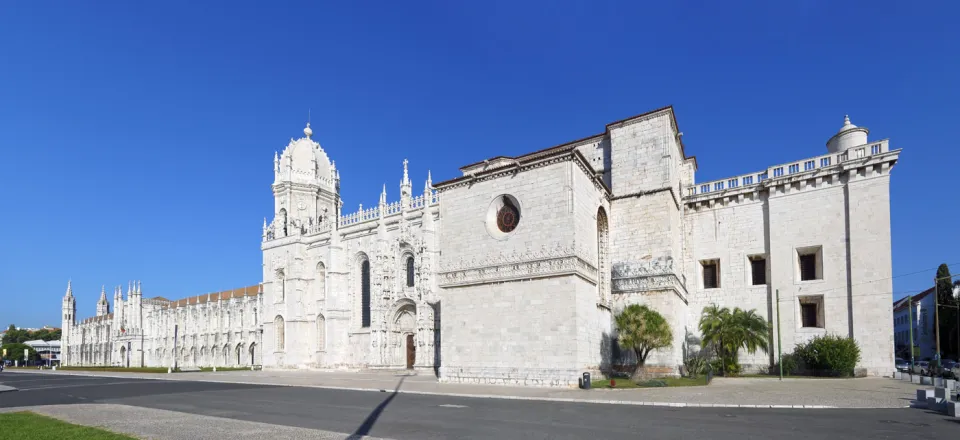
<point x="729" y="332"/>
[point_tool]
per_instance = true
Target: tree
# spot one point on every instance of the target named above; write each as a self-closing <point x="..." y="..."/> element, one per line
<point x="14" y="336"/>
<point x="729" y="332"/>
<point x="642" y="330"/>
<point x="15" y="352"/>
<point x="947" y="315"/>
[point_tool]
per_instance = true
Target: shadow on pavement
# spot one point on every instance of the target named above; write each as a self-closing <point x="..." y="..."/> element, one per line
<point x="367" y="425"/>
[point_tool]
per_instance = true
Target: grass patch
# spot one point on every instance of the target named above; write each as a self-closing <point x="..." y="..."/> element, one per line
<point x="118" y="369"/>
<point x="785" y="376"/>
<point x="37" y="427"/>
<point x="652" y="383"/>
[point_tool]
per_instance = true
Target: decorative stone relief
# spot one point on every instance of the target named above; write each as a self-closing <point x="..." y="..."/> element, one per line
<point x="526" y="267"/>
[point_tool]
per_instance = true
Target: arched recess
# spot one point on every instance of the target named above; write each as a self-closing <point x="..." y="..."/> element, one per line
<point x="403" y="330"/>
<point x="279" y="327"/>
<point x="283" y="221"/>
<point x="281" y="285"/>
<point x="226" y="355"/>
<point x="321" y="333"/>
<point x="240" y="353"/>
<point x="321" y="281"/>
<point x="123" y="357"/>
<point x="603" y="262"/>
<point x="253" y="353"/>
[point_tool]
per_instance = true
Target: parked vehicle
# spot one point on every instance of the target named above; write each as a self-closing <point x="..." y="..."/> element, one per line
<point x="901" y="364"/>
<point x="921" y="367"/>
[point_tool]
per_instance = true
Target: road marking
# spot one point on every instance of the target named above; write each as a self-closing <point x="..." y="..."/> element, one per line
<point x="447" y="405"/>
<point x="77" y="386"/>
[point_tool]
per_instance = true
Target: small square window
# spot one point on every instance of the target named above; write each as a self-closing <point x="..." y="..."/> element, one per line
<point x="711" y="274"/>
<point x="758" y="270"/>
<point x="811" y="311"/>
<point x="810" y="263"/>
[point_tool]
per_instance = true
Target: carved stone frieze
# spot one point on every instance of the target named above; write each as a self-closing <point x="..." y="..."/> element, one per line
<point x="536" y="265"/>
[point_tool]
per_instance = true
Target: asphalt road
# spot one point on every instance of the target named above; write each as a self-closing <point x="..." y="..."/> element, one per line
<point x="409" y="416"/>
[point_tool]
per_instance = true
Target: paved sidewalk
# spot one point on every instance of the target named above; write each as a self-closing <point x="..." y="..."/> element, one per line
<point x="723" y="392"/>
<point x="147" y="423"/>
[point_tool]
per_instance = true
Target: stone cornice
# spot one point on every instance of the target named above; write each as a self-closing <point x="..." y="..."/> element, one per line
<point x="647" y="276"/>
<point x="673" y="195"/>
<point x="545" y="262"/>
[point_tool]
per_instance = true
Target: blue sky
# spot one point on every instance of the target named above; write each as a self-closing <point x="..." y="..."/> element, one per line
<point x="138" y="137"/>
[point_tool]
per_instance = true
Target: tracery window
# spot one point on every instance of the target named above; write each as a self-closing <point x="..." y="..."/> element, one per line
<point x="507" y="216"/>
<point x="410" y="270"/>
<point x="603" y="234"/>
<point x="365" y="293"/>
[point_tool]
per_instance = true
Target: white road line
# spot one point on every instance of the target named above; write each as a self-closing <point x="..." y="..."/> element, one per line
<point x="56" y="387"/>
<point x="447" y="405"/>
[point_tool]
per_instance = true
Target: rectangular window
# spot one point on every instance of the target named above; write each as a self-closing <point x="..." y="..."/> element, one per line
<point x="825" y="162"/>
<point x="809" y="165"/>
<point x="810" y="263"/>
<point x="795" y="168"/>
<point x="762" y="177"/>
<point x="860" y="152"/>
<point x="748" y="180"/>
<point x="875" y="149"/>
<point x="718" y="186"/>
<point x="711" y="274"/>
<point x="758" y="270"/>
<point x="811" y="311"/>
<point x="777" y="172"/>
<point x="704" y="188"/>
<point x="732" y="183"/>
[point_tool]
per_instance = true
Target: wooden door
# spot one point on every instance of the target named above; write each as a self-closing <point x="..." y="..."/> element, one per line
<point x="411" y="352"/>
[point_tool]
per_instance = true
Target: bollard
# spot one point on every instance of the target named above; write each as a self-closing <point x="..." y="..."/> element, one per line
<point x="214" y="369"/>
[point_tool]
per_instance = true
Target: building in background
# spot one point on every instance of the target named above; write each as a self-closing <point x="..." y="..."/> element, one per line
<point x="49" y="351"/>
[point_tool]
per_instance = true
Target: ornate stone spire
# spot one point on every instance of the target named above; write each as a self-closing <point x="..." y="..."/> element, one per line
<point x="69" y="289"/>
<point x="383" y="195"/>
<point x="103" y="293"/>
<point x="307" y="131"/>
<point x="429" y="183"/>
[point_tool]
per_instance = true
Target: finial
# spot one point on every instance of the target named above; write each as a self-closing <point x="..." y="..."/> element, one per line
<point x="69" y="287"/>
<point x="406" y="178"/>
<point x="846" y="119"/>
<point x="307" y="131"/>
<point x="383" y="195"/>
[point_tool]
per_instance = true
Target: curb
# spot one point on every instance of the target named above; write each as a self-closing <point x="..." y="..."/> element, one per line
<point x="485" y="396"/>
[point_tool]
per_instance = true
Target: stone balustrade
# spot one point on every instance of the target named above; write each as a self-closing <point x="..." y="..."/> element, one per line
<point x="801" y="166"/>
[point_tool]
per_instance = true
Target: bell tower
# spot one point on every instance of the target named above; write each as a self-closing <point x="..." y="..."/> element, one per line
<point x="68" y="321"/>
<point x="306" y="188"/>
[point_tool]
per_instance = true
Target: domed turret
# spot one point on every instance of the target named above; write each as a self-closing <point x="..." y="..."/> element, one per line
<point x="848" y="137"/>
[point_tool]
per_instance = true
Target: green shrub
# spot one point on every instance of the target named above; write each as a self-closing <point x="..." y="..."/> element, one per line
<point x="653" y="383"/>
<point x="695" y="366"/>
<point x="790" y="365"/>
<point x="829" y="355"/>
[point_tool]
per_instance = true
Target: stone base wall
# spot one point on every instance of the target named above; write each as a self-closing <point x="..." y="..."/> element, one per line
<point x="542" y="377"/>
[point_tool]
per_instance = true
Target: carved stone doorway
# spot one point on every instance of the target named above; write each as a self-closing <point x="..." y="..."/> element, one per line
<point x="411" y="352"/>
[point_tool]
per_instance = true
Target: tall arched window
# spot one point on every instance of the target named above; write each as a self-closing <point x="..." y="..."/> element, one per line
<point x="410" y="271"/>
<point x="603" y="271"/>
<point x="321" y="281"/>
<point x="321" y="333"/>
<point x="365" y="293"/>
<point x="278" y="323"/>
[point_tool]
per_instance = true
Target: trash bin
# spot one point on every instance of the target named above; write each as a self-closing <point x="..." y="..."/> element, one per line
<point x="586" y="381"/>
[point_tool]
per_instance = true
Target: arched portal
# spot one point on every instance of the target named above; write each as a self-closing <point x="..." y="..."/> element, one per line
<point x="403" y="330"/>
<point x="123" y="357"/>
<point x="240" y="353"/>
<point x="253" y="353"/>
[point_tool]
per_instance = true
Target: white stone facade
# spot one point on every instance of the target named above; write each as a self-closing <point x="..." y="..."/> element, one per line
<point x="218" y="329"/>
<point x="512" y="273"/>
